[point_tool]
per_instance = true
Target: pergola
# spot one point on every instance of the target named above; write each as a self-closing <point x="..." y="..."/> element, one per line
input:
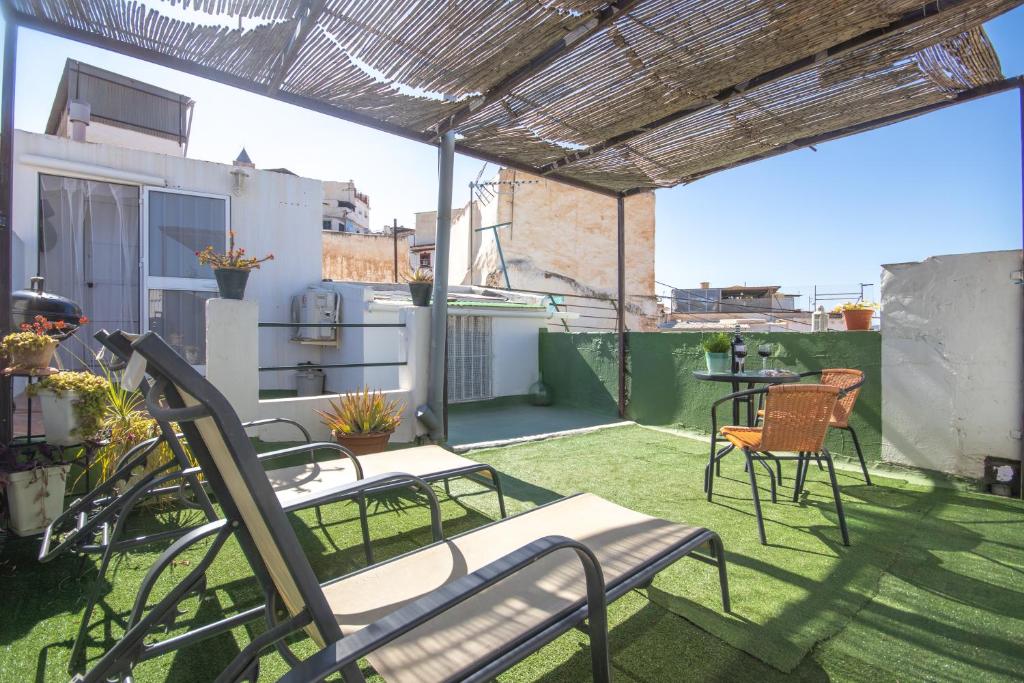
<point x="614" y="97"/>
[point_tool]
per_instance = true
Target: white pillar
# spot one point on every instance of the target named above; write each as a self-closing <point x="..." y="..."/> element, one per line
<point x="413" y="377"/>
<point x="233" y="354"/>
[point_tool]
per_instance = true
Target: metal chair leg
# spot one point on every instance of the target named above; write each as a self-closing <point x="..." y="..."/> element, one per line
<point x="723" y="578"/>
<point x="771" y="477"/>
<point x="798" y="476"/>
<point x="365" y="524"/>
<point x="860" y="454"/>
<point x="757" y="498"/>
<point x="835" y="494"/>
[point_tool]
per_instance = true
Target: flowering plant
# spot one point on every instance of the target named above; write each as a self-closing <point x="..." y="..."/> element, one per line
<point x="856" y="306"/>
<point x="233" y="258"/>
<point x="35" y="335"/>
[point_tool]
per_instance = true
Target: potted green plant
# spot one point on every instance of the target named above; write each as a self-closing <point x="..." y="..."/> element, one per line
<point x="716" y="352"/>
<point x="73" y="405"/>
<point x="420" y="285"/>
<point x="33" y="347"/>
<point x="231" y="269"/>
<point x="34" y="490"/>
<point x="857" y="316"/>
<point x="363" y="421"/>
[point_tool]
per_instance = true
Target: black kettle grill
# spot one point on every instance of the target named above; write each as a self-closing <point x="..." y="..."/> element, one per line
<point x="26" y="304"/>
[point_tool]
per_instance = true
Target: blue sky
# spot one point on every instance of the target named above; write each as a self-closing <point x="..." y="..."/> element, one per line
<point x="944" y="183"/>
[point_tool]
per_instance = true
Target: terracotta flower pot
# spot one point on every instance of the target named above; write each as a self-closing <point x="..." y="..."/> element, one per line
<point x="37" y="358"/>
<point x="364" y="444"/>
<point x="858" y="318"/>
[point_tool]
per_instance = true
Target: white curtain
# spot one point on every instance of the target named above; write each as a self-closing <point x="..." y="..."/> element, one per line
<point x="89" y="252"/>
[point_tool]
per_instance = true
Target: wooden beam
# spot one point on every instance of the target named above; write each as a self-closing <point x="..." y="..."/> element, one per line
<point x="309" y="103"/>
<point x="313" y="11"/>
<point x="800" y="143"/>
<point x="567" y="44"/>
<point x="909" y="19"/>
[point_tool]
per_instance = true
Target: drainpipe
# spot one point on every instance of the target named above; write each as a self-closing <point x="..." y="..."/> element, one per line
<point x="431" y="414"/>
<point x="1020" y="92"/>
<point x="6" y="205"/>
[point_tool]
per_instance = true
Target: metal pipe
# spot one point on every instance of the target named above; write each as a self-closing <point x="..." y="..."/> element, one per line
<point x="431" y="414"/>
<point x="6" y="205"/>
<point x="1020" y="92"/>
<point x="620" y="204"/>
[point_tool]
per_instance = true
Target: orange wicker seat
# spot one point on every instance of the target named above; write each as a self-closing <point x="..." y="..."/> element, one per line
<point x="743" y="437"/>
<point x="796" y="419"/>
<point x="850" y="382"/>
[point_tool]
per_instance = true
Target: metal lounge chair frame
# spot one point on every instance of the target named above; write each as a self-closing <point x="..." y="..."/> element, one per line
<point x="254" y="516"/>
<point x="103" y="513"/>
<point x="802" y="459"/>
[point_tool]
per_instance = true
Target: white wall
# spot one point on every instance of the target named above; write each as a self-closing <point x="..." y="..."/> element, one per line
<point x="275" y="212"/>
<point x="951" y="364"/>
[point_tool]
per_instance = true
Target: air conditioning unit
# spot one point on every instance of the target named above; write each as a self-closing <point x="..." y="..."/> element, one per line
<point x="313" y="312"/>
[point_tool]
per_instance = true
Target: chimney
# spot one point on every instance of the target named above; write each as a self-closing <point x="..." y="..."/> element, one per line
<point x="79" y="114"/>
<point x="243" y="160"/>
<point x="705" y="285"/>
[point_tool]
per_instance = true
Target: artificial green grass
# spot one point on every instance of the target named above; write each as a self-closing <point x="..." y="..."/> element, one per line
<point x="931" y="588"/>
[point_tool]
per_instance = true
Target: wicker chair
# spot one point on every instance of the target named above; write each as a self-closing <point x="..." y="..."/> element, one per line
<point x="796" y="419"/>
<point x="850" y="382"/>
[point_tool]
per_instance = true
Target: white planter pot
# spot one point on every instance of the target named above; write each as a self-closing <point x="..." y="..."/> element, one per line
<point x="59" y="421"/>
<point x="35" y="498"/>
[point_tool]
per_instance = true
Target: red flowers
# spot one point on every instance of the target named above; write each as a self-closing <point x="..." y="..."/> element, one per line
<point x="42" y="326"/>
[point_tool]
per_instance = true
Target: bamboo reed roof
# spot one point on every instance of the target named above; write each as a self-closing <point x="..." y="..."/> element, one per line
<point x="617" y="96"/>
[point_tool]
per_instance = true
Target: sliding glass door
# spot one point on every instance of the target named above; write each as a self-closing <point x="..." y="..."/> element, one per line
<point x="89" y="252"/>
<point x="175" y="226"/>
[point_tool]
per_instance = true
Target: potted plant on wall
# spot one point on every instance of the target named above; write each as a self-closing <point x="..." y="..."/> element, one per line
<point x="420" y="285"/>
<point x="363" y="421"/>
<point x="231" y="269"/>
<point x="34" y="488"/>
<point x="33" y="347"/>
<point x="857" y="315"/>
<point x="73" y="405"/>
<point x="716" y="352"/>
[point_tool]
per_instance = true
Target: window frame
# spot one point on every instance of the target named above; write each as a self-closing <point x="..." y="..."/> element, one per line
<point x="164" y="282"/>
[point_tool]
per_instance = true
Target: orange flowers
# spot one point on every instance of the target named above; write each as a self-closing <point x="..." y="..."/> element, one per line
<point x="42" y="326"/>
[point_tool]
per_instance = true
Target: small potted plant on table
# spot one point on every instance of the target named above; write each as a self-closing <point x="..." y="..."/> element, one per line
<point x="857" y="315"/>
<point x="231" y="269"/>
<point x="420" y="285"/>
<point x="716" y="352"/>
<point x="363" y="421"/>
<point x="73" y="405"/>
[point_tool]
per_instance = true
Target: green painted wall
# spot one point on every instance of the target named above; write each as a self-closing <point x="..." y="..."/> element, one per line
<point x="580" y="370"/>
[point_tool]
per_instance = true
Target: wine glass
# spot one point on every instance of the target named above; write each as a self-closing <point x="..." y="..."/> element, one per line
<point x="765" y="351"/>
<point x="740" y="351"/>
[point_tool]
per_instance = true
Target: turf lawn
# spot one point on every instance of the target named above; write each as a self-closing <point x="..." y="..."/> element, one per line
<point x="932" y="587"/>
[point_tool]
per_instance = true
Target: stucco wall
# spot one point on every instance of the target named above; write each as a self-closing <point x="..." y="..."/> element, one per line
<point x="951" y="338"/>
<point x="581" y="370"/>
<point x="364" y="258"/>
<point x="275" y="213"/>
<point x="562" y="240"/>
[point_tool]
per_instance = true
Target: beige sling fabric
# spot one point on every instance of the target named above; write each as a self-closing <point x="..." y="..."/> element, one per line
<point x="242" y="497"/>
<point x="471" y="632"/>
<point x="295" y="485"/>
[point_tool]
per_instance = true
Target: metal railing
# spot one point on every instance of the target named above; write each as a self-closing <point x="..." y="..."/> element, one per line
<point x="331" y="366"/>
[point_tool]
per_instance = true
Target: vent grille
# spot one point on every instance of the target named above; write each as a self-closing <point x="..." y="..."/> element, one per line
<point x="469" y="358"/>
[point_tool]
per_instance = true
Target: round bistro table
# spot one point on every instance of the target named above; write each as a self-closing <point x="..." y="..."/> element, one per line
<point x="750" y="379"/>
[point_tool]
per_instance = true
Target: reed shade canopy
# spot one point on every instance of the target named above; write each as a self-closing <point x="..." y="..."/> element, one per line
<point x="618" y="97"/>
